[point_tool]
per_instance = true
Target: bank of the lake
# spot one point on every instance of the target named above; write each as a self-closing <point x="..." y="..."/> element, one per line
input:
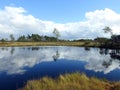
<point x="74" y="81"/>
<point x="66" y="43"/>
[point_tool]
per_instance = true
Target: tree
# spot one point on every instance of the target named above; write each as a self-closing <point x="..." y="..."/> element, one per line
<point x="108" y="30"/>
<point x="111" y="42"/>
<point x="12" y="37"/>
<point x="21" y="39"/>
<point x="28" y="38"/>
<point x="56" y="33"/>
<point x="3" y="40"/>
<point x="35" y="37"/>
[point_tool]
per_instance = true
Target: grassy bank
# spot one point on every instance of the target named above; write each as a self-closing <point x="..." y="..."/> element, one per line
<point x="7" y="44"/>
<point x="75" y="81"/>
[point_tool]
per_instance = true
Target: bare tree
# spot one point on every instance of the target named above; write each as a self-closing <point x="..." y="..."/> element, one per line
<point x="12" y="37"/>
<point x="108" y="30"/>
<point x="56" y="33"/>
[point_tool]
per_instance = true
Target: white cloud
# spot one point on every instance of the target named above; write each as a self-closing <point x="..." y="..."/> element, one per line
<point x="17" y="21"/>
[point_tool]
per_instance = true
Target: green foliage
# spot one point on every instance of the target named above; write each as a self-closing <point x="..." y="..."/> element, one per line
<point x="50" y="38"/>
<point x="35" y="38"/>
<point x="101" y="39"/>
<point x="3" y="40"/>
<point x="83" y="40"/>
<point x="21" y="39"/>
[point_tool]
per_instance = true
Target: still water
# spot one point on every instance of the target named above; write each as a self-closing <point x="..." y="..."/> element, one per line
<point x="19" y="64"/>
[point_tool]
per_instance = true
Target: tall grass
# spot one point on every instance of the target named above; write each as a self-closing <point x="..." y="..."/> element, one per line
<point x="75" y="81"/>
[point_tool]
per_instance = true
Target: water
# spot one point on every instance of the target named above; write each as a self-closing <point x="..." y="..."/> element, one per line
<point x="19" y="64"/>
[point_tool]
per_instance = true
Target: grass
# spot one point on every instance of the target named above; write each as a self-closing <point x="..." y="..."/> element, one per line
<point x="67" y="43"/>
<point x="75" y="81"/>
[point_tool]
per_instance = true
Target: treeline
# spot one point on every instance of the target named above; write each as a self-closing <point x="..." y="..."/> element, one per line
<point x="38" y="38"/>
<point x="35" y="38"/>
<point x="29" y="38"/>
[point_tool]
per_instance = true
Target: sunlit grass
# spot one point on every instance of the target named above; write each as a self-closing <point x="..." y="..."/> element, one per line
<point x="75" y="81"/>
<point x="67" y="43"/>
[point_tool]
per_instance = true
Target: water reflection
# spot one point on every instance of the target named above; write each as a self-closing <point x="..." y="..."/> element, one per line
<point x="109" y="61"/>
<point x="12" y="50"/>
<point x="56" y="56"/>
<point x="34" y="48"/>
<point x="87" y="48"/>
<point x="104" y="51"/>
<point x="14" y="60"/>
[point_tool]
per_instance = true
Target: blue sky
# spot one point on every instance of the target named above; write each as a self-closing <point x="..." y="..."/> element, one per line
<point x="61" y="11"/>
<point x="75" y="19"/>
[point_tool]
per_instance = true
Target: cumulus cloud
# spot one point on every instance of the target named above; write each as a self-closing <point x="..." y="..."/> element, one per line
<point x="16" y="20"/>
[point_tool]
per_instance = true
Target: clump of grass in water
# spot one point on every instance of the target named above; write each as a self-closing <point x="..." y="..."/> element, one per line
<point x="75" y="81"/>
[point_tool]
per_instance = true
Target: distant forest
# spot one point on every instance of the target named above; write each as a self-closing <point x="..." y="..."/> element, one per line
<point x="39" y="38"/>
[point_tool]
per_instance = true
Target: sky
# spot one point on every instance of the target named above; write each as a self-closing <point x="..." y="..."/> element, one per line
<point x="74" y="19"/>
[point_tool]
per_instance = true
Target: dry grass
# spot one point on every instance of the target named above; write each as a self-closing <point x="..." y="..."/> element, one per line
<point x="7" y="44"/>
<point x="75" y="81"/>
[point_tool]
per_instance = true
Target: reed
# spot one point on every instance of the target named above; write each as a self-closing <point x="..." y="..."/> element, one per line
<point x="74" y="81"/>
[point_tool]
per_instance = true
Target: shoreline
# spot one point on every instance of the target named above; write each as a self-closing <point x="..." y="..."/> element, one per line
<point x="59" y="43"/>
<point x="68" y="43"/>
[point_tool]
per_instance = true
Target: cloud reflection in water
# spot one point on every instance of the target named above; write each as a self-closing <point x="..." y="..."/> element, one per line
<point x="13" y="60"/>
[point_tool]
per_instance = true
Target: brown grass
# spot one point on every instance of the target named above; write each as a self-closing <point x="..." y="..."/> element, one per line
<point x="7" y="44"/>
<point x="75" y="81"/>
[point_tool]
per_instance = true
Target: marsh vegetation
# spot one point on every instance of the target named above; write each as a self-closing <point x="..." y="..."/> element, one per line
<point x="75" y="81"/>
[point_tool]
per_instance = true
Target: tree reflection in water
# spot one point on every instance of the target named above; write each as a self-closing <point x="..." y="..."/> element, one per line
<point x="104" y="51"/>
<point x="12" y="50"/>
<point x="87" y="48"/>
<point x="114" y="54"/>
<point x="14" y="59"/>
<point x="56" y="56"/>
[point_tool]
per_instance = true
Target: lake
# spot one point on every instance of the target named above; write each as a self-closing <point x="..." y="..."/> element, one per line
<point x="19" y="64"/>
